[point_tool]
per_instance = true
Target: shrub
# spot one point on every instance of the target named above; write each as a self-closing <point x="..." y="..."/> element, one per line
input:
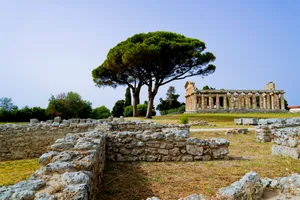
<point x="100" y="113"/>
<point x="184" y="119"/>
<point x="128" y="111"/>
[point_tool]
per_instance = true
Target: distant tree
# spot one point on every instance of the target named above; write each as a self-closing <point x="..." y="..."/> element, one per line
<point x="118" y="108"/>
<point x="286" y="104"/>
<point x="100" y="113"/>
<point x="7" y="104"/>
<point x="154" y="59"/>
<point x="171" y="101"/>
<point x="127" y="97"/>
<point x="208" y="88"/>
<point x="69" y="105"/>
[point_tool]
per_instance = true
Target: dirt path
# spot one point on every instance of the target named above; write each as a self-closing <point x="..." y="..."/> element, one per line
<point x="214" y="129"/>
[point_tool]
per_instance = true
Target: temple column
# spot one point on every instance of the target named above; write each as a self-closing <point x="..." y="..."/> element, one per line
<point x="225" y="101"/>
<point x="195" y="101"/>
<point x="282" y="101"/>
<point x="217" y="101"/>
<point x="202" y="101"/>
<point x="261" y="101"/>
<point x="210" y="101"/>
<point x="231" y="100"/>
<point x="272" y="102"/>
<point x="264" y="101"/>
<point x="239" y="103"/>
<point x="278" y="102"/>
<point x="253" y="101"/>
<point x="242" y="101"/>
<point x="247" y="100"/>
<point x="268" y="101"/>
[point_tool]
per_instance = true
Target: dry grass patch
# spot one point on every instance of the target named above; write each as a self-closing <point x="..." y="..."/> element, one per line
<point x="12" y="172"/>
<point x="172" y="180"/>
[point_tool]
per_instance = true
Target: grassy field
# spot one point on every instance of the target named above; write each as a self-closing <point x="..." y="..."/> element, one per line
<point x="12" y="172"/>
<point x="172" y="180"/>
<point x="221" y="120"/>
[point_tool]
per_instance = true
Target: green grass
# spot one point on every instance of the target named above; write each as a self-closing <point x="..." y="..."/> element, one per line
<point x="12" y="172"/>
<point x="221" y="120"/>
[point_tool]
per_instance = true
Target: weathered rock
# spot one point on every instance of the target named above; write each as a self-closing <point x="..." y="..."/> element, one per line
<point x="249" y="187"/>
<point x="57" y="119"/>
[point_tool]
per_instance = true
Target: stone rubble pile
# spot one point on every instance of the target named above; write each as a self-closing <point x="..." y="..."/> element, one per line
<point x="285" y="133"/>
<point x="246" y="121"/>
<point x="71" y="169"/>
<point x="236" y="131"/>
<point x="251" y="186"/>
<point x="201" y="123"/>
<point x="148" y="141"/>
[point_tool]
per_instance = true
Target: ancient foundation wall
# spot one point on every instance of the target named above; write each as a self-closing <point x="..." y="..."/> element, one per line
<point x="30" y="141"/>
<point x="285" y="133"/>
<point x="146" y="141"/>
<point x="70" y="170"/>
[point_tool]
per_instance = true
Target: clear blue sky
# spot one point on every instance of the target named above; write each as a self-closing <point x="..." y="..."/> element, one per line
<point x="49" y="48"/>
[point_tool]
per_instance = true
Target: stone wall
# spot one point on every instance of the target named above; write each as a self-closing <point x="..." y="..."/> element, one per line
<point x="147" y="141"/>
<point x="30" y="141"/>
<point x="285" y="133"/>
<point x="70" y="170"/>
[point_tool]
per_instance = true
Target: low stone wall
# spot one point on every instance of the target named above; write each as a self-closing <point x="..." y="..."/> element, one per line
<point x="285" y="133"/>
<point x="30" y="141"/>
<point x="70" y="170"/>
<point x="246" y="121"/>
<point x="251" y="186"/>
<point x="147" y="141"/>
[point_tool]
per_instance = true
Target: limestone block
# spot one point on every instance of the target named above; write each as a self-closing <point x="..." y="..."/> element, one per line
<point x="57" y="119"/>
<point x="187" y="158"/>
<point x="238" y="121"/>
<point x="286" y="151"/>
<point x="194" y="150"/>
<point x="34" y="121"/>
<point x="249" y="187"/>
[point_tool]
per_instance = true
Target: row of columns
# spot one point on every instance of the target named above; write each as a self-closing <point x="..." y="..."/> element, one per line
<point x="267" y="100"/>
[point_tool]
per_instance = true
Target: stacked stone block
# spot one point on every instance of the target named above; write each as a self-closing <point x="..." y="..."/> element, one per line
<point x="31" y="140"/>
<point x="147" y="141"/>
<point x="285" y="133"/>
<point x="70" y="170"/>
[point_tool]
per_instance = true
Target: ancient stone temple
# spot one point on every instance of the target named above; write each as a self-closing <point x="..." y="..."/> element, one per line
<point x="267" y="100"/>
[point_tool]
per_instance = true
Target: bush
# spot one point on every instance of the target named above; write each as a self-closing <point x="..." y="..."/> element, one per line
<point x="184" y="119"/>
<point x="100" y="113"/>
<point x="128" y="111"/>
<point x="179" y="110"/>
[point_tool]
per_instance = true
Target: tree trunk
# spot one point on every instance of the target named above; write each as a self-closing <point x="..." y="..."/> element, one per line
<point x="136" y="99"/>
<point x="151" y="95"/>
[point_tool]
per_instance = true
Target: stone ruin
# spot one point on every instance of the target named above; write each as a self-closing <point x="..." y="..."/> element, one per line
<point x="73" y="166"/>
<point x="285" y="133"/>
<point x="267" y="100"/>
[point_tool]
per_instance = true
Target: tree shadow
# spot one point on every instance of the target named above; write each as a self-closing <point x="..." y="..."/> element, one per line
<point x="125" y="180"/>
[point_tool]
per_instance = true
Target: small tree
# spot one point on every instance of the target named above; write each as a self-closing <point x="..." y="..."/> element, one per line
<point x="128" y="97"/>
<point x="100" y="113"/>
<point x="118" y="108"/>
<point x="7" y="104"/>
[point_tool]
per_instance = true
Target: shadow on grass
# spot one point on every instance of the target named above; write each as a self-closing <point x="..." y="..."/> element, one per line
<point x="125" y="181"/>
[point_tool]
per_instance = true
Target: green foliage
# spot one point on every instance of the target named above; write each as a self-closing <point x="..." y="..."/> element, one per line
<point x="118" y="108"/>
<point x="128" y="111"/>
<point x="69" y="105"/>
<point x="179" y="110"/>
<point x="23" y="115"/>
<point x="154" y="59"/>
<point x="184" y="119"/>
<point x="141" y="110"/>
<point x="128" y="97"/>
<point x="100" y="113"/>
<point x="7" y="104"/>
<point x="286" y="104"/>
<point x="208" y="88"/>
<point x="171" y="103"/>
